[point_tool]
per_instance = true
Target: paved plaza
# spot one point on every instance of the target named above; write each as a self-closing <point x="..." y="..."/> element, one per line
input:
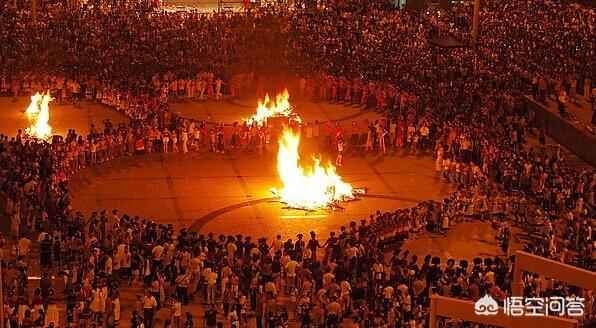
<point x="209" y="192"/>
<point x="224" y="193"/>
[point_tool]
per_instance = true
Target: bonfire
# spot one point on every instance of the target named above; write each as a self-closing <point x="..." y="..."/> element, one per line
<point x="38" y="114"/>
<point x="278" y="107"/>
<point x="308" y="187"/>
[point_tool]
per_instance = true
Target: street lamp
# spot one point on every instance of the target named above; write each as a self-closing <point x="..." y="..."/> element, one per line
<point x="475" y="22"/>
<point x="34" y="12"/>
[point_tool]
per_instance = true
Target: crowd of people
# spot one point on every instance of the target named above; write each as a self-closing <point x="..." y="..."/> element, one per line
<point x="463" y="104"/>
<point x="131" y="60"/>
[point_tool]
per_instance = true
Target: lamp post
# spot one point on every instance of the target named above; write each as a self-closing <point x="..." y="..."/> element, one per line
<point x="1" y="296"/>
<point x="476" y="22"/>
<point x="34" y="12"/>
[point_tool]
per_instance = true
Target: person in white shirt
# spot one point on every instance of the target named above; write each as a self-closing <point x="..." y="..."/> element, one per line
<point x="231" y="249"/>
<point x="346" y="290"/>
<point x="196" y="266"/>
<point x="211" y="284"/>
<point x="388" y="293"/>
<point x="424" y="132"/>
<point x="226" y="272"/>
<point x="176" y="312"/>
<point x="23" y="246"/>
<point x="157" y="253"/>
<point x="115" y="217"/>
<point x="149" y="304"/>
<point x="291" y="268"/>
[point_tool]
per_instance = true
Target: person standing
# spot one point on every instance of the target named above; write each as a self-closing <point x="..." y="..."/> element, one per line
<point x="572" y="83"/>
<point x="424" y="139"/>
<point x="109" y="307"/>
<point x="52" y="315"/>
<point x="15" y="222"/>
<point x="392" y="131"/>
<point x="291" y="268"/>
<point x="98" y="302"/>
<point x="116" y="308"/>
<point x="46" y="252"/>
<point x="218" y="84"/>
<point x="234" y="140"/>
<point x="542" y="88"/>
<point x="149" y="304"/>
<point x="165" y="139"/>
<point x="368" y="146"/>
<point x="182" y="282"/>
<point x="382" y="134"/>
<point x="340" y="151"/>
<point x="313" y="245"/>
<point x="211" y="317"/>
<point x="316" y="133"/>
<point x="587" y="89"/>
<point x="176" y="312"/>
<point x="184" y="139"/>
<point x="561" y="101"/>
<point x="542" y="136"/>
<point x="174" y="138"/>
<point x="220" y="139"/>
<point x="211" y="284"/>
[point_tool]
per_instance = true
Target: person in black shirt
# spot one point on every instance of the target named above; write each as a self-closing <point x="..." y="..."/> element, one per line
<point x="57" y="246"/>
<point x="276" y="269"/>
<point x="331" y="245"/>
<point x="289" y="247"/>
<point x="299" y="247"/>
<point x="13" y="318"/>
<point x="211" y="246"/>
<point x="271" y="321"/>
<point x="239" y="245"/>
<point x="210" y="317"/>
<point x="284" y="317"/>
<point x="46" y="252"/>
<point x="313" y="244"/>
<point x="189" y="323"/>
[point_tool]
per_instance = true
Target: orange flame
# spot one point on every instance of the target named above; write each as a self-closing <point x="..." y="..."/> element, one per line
<point x="280" y="106"/>
<point x="38" y="113"/>
<point x="307" y="187"/>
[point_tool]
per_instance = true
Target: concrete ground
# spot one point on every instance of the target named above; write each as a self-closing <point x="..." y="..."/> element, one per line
<point x="228" y="193"/>
<point x="63" y="116"/>
<point x="579" y="111"/>
<point x="225" y="193"/>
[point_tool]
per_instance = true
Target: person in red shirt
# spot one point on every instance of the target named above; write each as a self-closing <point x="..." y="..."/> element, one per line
<point x="263" y="137"/>
<point x="339" y="133"/>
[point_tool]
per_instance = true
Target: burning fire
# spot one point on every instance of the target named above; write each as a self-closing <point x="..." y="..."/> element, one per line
<point x="280" y="106"/>
<point x="38" y="114"/>
<point x="312" y="187"/>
